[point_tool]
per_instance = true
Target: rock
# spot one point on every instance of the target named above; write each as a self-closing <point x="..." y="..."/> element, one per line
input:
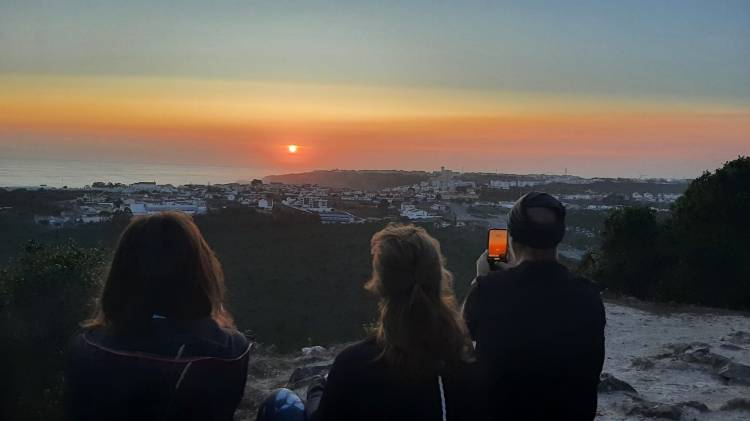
<point x="261" y="369"/>
<point x="731" y="347"/>
<point x="736" y="404"/>
<point x="303" y="375"/>
<point x="738" y="338"/>
<point x="642" y="363"/>
<point x="700" y="406"/>
<point x="681" y="348"/>
<point x="703" y="355"/>
<point x="736" y="372"/>
<point x="313" y="350"/>
<point x="696" y="353"/>
<point x="655" y="410"/>
<point x="610" y="384"/>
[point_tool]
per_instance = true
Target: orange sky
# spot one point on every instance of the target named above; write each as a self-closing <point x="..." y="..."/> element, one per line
<point x="232" y="122"/>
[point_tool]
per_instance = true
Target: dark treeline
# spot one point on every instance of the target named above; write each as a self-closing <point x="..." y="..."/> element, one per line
<point x="618" y="192"/>
<point x="697" y="255"/>
<point x="45" y="292"/>
<point x="357" y="180"/>
<point x="292" y="282"/>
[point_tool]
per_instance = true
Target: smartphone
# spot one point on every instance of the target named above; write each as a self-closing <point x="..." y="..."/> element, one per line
<point x="497" y="245"/>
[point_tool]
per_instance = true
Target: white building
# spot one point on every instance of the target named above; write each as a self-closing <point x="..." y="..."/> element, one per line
<point x="411" y="212"/>
<point x="151" y="208"/>
<point x="507" y="184"/>
<point x="265" y="204"/>
<point x="143" y="186"/>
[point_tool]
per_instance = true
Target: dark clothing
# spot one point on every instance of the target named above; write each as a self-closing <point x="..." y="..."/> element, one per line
<point x="187" y="371"/>
<point x="539" y="333"/>
<point x="359" y="388"/>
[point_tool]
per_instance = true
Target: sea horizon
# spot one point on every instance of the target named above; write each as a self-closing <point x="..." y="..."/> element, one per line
<point x="79" y="173"/>
<point x="76" y="173"/>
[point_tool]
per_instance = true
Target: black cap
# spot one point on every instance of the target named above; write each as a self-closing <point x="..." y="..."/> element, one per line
<point x="533" y="234"/>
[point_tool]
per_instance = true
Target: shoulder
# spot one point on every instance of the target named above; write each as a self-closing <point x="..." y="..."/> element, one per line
<point x="88" y="340"/>
<point x="237" y="343"/>
<point x="587" y="286"/>
<point x="77" y="345"/>
<point x="497" y="279"/>
<point x="589" y="296"/>
<point x="365" y="350"/>
<point x="357" y="357"/>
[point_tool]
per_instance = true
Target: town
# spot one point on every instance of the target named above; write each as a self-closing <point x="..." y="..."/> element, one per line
<point x="444" y="198"/>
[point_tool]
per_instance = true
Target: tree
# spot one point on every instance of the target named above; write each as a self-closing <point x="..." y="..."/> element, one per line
<point x="699" y="255"/>
<point x="45" y="293"/>
<point x="711" y="226"/>
<point x="629" y="257"/>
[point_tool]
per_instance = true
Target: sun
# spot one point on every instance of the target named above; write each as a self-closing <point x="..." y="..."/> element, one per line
<point x="292" y="148"/>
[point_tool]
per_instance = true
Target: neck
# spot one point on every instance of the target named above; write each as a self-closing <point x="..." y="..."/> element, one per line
<point x="537" y="255"/>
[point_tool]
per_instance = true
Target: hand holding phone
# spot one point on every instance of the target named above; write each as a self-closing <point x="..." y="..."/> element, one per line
<point x="497" y="246"/>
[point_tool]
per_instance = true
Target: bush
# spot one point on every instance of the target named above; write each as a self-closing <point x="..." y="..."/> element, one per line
<point x="45" y="293"/>
<point x="699" y="255"/>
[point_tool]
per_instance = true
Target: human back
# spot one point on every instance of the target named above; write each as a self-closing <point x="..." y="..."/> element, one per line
<point x="538" y="328"/>
<point x="161" y="344"/>
<point x="540" y="340"/>
<point x="417" y="363"/>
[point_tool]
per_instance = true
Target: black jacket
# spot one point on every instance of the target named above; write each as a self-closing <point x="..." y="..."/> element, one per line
<point x="361" y="389"/>
<point x="539" y="333"/>
<point x="194" y="371"/>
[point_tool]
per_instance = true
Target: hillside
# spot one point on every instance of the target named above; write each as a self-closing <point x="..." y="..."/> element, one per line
<point x="356" y="180"/>
<point x="681" y="363"/>
<point x="279" y="274"/>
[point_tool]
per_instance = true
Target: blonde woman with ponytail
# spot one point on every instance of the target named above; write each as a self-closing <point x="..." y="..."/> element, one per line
<point x="417" y="364"/>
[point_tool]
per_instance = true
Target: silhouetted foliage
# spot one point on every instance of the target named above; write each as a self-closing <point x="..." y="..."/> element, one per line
<point x="357" y="180"/>
<point x="36" y="201"/>
<point x="699" y="255"/>
<point x="712" y="223"/>
<point x="46" y="291"/>
<point x="630" y="253"/>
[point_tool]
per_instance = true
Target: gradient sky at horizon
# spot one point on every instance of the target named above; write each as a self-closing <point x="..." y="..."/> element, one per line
<point x="656" y="88"/>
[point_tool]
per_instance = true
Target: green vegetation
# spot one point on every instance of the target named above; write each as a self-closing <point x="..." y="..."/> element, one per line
<point x="619" y="191"/>
<point x="485" y="211"/>
<point x="300" y="283"/>
<point x="292" y="282"/>
<point x="356" y="180"/>
<point x="699" y="255"/>
<point x="44" y="293"/>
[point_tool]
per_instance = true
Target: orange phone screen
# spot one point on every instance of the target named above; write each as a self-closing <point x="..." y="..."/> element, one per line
<point x="498" y="243"/>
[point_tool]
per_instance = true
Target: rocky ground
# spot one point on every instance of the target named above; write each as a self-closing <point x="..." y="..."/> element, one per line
<point x="662" y="363"/>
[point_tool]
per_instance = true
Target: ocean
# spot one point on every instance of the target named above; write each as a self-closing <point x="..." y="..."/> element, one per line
<point x="74" y="173"/>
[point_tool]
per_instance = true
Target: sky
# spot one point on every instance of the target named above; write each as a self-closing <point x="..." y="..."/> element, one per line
<point x="627" y="88"/>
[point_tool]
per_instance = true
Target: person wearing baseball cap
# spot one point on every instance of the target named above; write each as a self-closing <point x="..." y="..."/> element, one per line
<point x="538" y="328"/>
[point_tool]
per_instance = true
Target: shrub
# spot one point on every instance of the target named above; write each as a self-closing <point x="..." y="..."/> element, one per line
<point x="699" y="255"/>
<point x="45" y="293"/>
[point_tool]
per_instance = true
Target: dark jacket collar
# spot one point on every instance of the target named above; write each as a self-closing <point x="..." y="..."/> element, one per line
<point x="173" y="339"/>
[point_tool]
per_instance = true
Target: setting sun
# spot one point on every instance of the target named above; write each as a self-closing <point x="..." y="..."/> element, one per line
<point x="292" y="148"/>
